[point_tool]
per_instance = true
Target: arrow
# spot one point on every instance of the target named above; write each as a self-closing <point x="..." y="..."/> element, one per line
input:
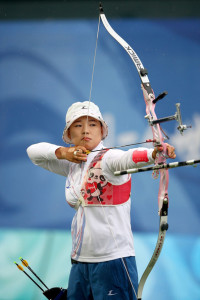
<point x="25" y="263"/>
<point x="21" y="269"/>
<point x="116" y="147"/>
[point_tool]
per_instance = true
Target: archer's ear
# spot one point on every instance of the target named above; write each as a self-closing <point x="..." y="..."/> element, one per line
<point x="68" y="134"/>
<point x="101" y="132"/>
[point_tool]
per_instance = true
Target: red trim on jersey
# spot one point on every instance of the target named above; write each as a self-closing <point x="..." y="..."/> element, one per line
<point x="140" y="156"/>
<point x="96" y="190"/>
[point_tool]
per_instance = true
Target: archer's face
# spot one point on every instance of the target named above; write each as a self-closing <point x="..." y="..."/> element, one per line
<point x="86" y="132"/>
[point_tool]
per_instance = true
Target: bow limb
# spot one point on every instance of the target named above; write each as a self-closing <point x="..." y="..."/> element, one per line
<point x="160" y="241"/>
<point x="157" y="136"/>
<point x="138" y="64"/>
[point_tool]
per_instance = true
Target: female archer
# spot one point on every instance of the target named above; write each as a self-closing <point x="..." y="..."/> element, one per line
<point x="103" y="255"/>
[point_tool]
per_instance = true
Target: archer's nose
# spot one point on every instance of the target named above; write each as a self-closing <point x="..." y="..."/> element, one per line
<point x="85" y="129"/>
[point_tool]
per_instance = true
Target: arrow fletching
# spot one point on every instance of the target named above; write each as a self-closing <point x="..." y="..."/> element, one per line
<point x="19" y="267"/>
<point x="24" y="262"/>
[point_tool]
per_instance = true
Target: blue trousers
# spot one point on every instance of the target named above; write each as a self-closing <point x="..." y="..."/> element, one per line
<point x="104" y="280"/>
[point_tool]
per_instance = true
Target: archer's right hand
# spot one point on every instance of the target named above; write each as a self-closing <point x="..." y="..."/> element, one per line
<point x="76" y="154"/>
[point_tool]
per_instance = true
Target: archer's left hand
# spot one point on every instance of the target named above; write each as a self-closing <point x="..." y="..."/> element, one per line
<point x="170" y="151"/>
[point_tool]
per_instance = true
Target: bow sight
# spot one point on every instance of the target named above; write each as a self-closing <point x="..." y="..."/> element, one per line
<point x="177" y="116"/>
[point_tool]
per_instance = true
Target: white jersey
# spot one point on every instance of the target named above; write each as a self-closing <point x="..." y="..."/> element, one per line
<point x="99" y="233"/>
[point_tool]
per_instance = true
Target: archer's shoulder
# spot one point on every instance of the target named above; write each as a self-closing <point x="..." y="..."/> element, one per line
<point x="114" y="153"/>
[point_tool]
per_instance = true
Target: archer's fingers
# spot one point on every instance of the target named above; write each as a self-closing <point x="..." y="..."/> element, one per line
<point x="81" y="149"/>
<point x="171" y="152"/>
<point x="79" y="156"/>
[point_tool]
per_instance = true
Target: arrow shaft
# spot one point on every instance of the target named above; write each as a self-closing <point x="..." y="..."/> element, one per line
<point x="116" y="147"/>
<point x="37" y="277"/>
<point x="33" y="280"/>
<point x="25" y="263"/>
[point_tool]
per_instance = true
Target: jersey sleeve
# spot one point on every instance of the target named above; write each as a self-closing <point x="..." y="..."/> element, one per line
<point x="118" y="160"/>
<point x="43" y="155"/>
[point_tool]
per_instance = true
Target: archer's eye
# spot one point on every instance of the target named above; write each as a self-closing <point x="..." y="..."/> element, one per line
<point x="92" y="124"/>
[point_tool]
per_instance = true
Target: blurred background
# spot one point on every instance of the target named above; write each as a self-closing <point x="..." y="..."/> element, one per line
<point x="46" y="60"/>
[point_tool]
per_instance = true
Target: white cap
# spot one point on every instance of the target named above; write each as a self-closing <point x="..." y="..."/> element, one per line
<point x="80" y="109"/>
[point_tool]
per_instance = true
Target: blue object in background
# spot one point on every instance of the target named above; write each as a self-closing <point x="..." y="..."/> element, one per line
<point x="45" y="67"/>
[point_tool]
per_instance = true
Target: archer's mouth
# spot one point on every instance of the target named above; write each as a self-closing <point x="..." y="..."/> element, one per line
<point x="86" y="139"/>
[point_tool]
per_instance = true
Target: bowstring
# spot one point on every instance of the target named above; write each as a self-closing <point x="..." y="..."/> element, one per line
<point x="105" y="215"/>
<point x="94" y="61"/>
<point x="93" y="67"/>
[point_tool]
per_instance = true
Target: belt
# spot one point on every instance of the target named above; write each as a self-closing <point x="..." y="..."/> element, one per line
<point x="78" y="262"/>
<point x="74" y="261"/>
